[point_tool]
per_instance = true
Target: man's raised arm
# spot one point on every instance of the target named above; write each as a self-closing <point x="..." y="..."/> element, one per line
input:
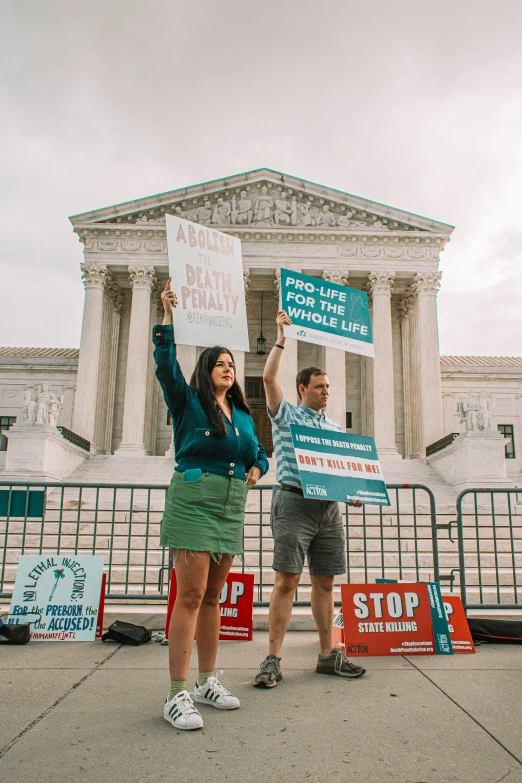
<point x="273" y="391"/>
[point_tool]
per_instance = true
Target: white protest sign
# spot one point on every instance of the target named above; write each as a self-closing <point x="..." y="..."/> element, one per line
<point x="207" y="276"/>
<point x="59" y="595"/>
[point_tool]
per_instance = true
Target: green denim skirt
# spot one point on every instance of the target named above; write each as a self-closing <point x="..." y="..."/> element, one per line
<point x="206" y="515"/>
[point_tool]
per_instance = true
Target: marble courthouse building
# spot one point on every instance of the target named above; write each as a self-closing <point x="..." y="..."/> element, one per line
<point x="406" y="398"/>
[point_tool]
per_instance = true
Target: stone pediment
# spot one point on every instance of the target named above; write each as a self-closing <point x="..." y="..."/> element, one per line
<point x="261" y="201"/>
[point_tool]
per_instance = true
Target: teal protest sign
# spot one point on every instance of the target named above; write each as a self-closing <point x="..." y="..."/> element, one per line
<point x="439" y="621"/>
<point x="336" y="466"/>
<point x="326" y="313"/>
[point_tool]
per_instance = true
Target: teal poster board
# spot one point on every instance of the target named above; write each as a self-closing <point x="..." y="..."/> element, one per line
<point x="337" y="466"/>
<point x="326" y="313"/>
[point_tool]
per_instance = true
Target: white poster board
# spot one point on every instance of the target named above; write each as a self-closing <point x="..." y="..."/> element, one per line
<point x="206" y="268"/>
<point x="58" y="595"/>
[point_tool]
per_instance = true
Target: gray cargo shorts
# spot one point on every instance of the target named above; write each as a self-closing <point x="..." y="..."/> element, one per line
<point x="307" y="528"/>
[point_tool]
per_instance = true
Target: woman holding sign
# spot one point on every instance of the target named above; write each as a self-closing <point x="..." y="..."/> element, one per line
<point x="218" y="459"/>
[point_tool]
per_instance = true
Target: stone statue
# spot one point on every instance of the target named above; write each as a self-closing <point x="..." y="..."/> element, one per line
<point x="326" y="218"/>
<point x="484" y="419"/>
<point x="346" y="220"/>
<point x="29" y="409"/>
<point x="222" y="213"/>
<point x="473" y="412"/>
<point x="293" y="215"/>
<point x="242" y="210"/>
<point x="263" y="208"/>
<point x="203" y="214"/>
<point x="304" y="217"/>
<point x="283" y="211"/>
<point x="47" y="406"/>
<point x="178" y="212"/>
<point x="142" y="219"/>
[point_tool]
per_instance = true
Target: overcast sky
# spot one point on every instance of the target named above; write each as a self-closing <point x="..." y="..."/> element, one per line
<point x="414" y="104"/>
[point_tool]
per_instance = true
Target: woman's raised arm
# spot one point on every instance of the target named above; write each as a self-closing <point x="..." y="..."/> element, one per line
<point x="176" y="391"/>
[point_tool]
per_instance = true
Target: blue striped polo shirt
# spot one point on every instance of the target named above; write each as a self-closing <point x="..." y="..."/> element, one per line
<point x="287" y="471"/>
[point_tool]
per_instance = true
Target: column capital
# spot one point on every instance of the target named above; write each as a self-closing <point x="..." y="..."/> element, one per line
<point x="277" y="284"/>
<point x="94" y="275"/>
<point x="142" y="277"/>
<point x="157" y="290"/>
<point x="115" y="294"/>
<point x="381" y="282"/>
<point x="339" y="276"/>
<point x="246" y="282"/>
<point x="407" y="303"/>
<point x="426" y="282"/>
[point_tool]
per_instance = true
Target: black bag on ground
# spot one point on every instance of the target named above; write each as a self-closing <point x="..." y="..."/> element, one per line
<point x="127" y="633"/>
<point x="495" y="630"/>
<point x="15" y="634"/>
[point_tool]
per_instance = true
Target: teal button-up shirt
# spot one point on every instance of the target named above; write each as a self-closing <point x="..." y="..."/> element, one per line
<point x="287" y="471"/>
<point x="194" y="444"/>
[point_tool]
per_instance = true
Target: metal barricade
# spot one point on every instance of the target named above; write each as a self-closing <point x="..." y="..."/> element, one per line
<point x="489" y="525"/>
<point x="122" y="522"/>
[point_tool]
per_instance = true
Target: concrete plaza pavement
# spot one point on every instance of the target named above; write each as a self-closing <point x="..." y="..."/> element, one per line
<point x="93" y="712"/>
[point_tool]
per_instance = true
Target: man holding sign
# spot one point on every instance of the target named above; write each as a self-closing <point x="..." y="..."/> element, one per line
<point x="301" y="527"/>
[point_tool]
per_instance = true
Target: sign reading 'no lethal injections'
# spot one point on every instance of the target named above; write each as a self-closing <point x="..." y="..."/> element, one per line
<point x="326" y="313"/>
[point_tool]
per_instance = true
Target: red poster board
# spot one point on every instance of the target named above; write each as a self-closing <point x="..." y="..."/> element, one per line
<point x="387" y="619"/>
<point x="236" y="604"/>
<point x="458" y="625"/>
<point x="101" y="608"/>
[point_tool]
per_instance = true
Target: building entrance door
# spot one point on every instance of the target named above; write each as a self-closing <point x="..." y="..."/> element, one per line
<point x="255" y="392"/>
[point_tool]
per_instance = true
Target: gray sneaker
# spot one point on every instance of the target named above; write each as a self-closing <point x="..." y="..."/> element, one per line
<point x="338" y="663"/>
<point x="269" y="673"/>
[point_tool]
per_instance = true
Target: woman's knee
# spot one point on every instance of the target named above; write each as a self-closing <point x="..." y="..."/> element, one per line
<point x="191" y="600"/>
<point x="211" y="598"/>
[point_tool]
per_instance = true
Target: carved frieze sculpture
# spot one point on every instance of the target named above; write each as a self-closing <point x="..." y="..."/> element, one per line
<point x="326" y="217"/>
<point x="41" y="406"/>
<point x="263" y="208"/>
<point x="222" y="213"/>
<point x="283" y="211"/>
<point x="242" y="213"/>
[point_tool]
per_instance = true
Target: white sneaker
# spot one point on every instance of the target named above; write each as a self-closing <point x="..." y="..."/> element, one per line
<point x="212" y="692"/>
<point x="181" y="713"/>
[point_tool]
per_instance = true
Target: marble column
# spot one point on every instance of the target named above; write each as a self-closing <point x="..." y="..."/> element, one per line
<point x="133" y="434"/>
<point x="117" y="300"/>
<point x="239" y="356"/>
<point x="84" y="418"/>
<point x="367" y="388"/>
<point x="405" y="308"/>
<point x="381" y="284"/>
<point x="426" y="284"/>
<point x="335" y="362"/>
<point x="151" y="407"/>
<point x="289" y="363"/>
<point x="415" y="402"/>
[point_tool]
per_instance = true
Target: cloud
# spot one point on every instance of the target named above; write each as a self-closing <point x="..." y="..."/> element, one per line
<point x="103" y="103"/>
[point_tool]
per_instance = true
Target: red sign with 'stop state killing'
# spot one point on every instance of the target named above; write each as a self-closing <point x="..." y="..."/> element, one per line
<point x="387" y="619"/>
<point x="236" y="606"/>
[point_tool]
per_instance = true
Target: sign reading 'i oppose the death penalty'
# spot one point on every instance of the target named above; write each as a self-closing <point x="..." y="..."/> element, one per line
<point x="207" y="276"/>
<point x="336" y="466"/>
<point x="326" y="313"/>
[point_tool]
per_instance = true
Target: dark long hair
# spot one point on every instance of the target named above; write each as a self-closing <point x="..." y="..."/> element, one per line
<point x="202" y="383"/>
